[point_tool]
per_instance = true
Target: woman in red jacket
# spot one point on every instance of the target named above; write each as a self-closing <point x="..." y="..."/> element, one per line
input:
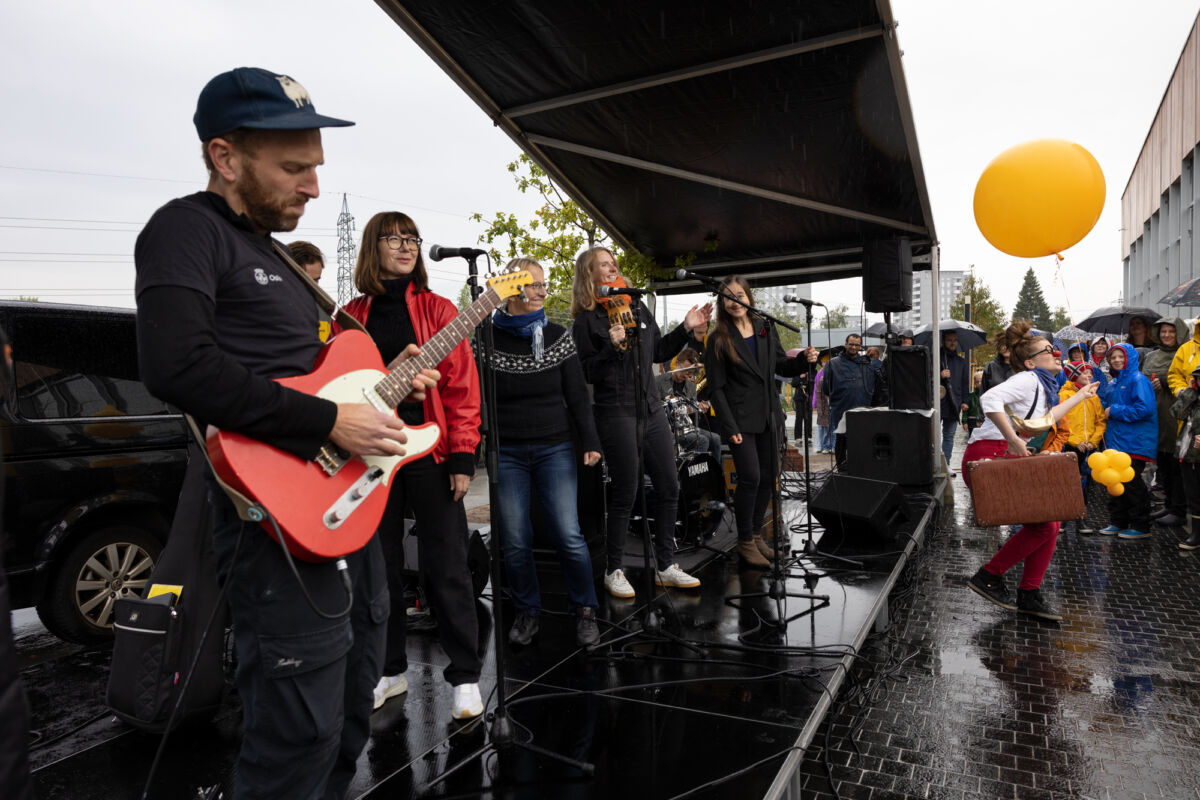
<point x="397" y="308"/>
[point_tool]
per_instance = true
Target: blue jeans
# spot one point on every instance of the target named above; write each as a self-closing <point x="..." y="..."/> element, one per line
<point x="949" y="427"/>
<point x="824" y="437"/>
<point x="551" y="468"/>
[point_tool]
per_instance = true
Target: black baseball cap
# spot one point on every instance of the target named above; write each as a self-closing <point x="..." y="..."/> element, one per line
<point x="249" y="97"/>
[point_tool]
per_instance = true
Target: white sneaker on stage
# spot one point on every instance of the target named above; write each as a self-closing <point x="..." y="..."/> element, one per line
<point x="467" y="702"/>
<point x="389" y="686"/>
<point x="617" y="584"/>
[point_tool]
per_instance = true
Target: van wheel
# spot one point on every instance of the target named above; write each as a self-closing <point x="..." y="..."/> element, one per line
<point x="112" y="563"/>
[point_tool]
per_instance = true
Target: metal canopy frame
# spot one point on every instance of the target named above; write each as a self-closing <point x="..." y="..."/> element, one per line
<point x="489" y="50"/>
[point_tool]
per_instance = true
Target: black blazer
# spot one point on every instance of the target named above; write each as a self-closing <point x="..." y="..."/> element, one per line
<point x="743" y="392"/>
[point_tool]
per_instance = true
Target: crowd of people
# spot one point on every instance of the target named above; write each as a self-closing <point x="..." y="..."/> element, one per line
<point x="1137" y="396"/>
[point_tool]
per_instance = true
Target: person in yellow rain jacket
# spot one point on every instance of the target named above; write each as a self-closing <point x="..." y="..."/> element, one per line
<point x="1187" y="358"/>
<point x="1086" y="426"/>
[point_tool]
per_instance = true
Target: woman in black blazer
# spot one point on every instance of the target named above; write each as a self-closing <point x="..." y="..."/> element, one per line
<point x="741" y="361"/>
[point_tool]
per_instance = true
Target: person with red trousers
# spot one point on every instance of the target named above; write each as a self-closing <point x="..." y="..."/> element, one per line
<point x="1031" y="393"/>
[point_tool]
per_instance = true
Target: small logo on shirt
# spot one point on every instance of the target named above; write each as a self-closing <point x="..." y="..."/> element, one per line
<point x="288" y="662"/>
<point x="263" y="278"/>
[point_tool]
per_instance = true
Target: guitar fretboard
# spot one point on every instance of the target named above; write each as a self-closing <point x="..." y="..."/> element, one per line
<point x="399" y="383"/>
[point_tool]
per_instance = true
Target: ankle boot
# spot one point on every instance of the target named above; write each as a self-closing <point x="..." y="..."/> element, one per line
<point x="750" y="555"/>
<point x="763" y="548"/>
<point x="1193" y="540"/>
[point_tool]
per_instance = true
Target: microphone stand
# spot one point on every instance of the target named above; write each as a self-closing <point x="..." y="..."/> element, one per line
<point x="777" y="587"/>
<point x="500" y="733"/>
<point x="810" y="550"/>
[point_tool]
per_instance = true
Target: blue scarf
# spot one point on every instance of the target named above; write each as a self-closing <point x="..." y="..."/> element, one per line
<point x="527" y="326"/>
<point x="1049" y="384"/>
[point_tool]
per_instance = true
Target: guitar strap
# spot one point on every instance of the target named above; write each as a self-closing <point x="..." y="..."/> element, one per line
<point x="247" y="509"/>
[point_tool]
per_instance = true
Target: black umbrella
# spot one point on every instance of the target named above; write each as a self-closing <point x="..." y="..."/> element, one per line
<point x="876" y="331"/>
<point x="969" y="334"/>
<point x="1185" y="294"/>
<point x="1115" y="319"/>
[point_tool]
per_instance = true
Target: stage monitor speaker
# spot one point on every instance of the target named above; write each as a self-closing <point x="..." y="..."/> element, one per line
<point x="890" y="446"/>
<point x="859" y="511"/>
<point x="909" y="378"/>
<point x="887" y="275"/>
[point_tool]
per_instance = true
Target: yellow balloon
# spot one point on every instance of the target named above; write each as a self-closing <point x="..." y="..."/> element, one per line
<point x="1119" y="460"/>
<point x="1097" y="461"/>
<point x="1127" y="475"/>
<point x="1107" y="476"/>
<point x="1116" y="489"/>
<point x="1039" y="198"/>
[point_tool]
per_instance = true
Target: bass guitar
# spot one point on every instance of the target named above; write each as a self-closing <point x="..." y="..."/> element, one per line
<point x="330" y="506"/>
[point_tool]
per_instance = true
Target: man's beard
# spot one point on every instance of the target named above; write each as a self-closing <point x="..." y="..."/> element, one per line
<point x="265" y="211"/>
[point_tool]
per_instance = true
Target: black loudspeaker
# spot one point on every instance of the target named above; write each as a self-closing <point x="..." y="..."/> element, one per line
<point x="890" y="446"/>
<point x="909" y="378"/>
<point x="887" y="275"/>
<point x="857" y="511"/>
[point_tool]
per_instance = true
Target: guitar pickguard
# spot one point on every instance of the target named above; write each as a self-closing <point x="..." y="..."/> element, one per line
<point x="356" y="387"/>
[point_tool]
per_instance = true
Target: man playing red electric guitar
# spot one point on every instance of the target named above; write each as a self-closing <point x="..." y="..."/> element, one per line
<point x="220" y="314"/>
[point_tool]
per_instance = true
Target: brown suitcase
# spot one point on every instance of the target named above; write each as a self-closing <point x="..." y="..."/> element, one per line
<point x="1017" y="491"/>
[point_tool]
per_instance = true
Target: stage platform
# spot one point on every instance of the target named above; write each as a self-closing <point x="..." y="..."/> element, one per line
<point x="728" y="702"/>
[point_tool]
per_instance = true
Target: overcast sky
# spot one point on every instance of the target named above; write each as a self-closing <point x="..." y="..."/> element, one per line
<point x="96" y="131"/>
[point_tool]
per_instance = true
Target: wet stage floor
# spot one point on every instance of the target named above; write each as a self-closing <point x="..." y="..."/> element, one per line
<point x="725" y="689"/>
<point x="956" y="699"/>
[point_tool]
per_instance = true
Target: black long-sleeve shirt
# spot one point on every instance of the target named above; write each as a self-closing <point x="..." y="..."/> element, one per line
<point x="219" y="315"/>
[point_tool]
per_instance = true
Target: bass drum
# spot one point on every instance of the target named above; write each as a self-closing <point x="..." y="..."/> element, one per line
<point x="701" y="496"/>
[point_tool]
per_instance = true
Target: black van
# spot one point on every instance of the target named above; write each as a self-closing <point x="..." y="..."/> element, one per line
<point x="93" y="465"/>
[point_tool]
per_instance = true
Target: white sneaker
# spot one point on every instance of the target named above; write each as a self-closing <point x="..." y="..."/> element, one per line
<point x="467" y="702"/>
<point x="617" y="585"/>
<point x="389" y="686"/>
<point x="674" y="576"/>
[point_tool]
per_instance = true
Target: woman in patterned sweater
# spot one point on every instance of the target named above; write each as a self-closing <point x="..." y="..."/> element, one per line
<point x="541" y="397"/>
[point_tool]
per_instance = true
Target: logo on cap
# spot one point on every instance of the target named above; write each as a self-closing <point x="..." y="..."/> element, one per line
<point x="295" y="92"/>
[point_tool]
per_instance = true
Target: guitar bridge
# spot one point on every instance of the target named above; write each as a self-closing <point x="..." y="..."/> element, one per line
<point x="341" y="510"/>
<point x="332" y="458"/>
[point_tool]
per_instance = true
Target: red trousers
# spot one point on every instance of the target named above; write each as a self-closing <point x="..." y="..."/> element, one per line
<point x="1032" y="544"/>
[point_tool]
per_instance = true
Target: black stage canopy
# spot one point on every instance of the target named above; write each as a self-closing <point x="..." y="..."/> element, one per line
<point x="767" y="137"/>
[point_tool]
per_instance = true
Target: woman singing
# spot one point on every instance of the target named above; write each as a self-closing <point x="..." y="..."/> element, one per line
<point x="397" y="308"/>
<point x="607" y="354"/>
<point x="743" y="357"/>
<point x="540" y="396"/>
<point x="1031" y="392"/>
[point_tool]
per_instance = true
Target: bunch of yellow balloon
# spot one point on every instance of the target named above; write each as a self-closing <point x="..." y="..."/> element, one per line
<point x="1112" y="468"/>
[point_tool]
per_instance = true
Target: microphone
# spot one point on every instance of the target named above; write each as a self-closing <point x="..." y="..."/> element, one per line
<point x="437" y="252"/>
<point x="683" y="274"/>
<point x="629" y="291"/>
<point x="791" y="298"/>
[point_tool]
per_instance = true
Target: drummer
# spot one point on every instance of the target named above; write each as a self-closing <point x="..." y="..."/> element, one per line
<point x="680" y="381"/>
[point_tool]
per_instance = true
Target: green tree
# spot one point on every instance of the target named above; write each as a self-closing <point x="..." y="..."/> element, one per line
<point x="556" y="233"/>
<point x="1031" y="303"/>
<point x="1059" y="319"/>
<point x="464" y="297"/>
<point x="986" y="312"/>
<point x="838" y="317"/>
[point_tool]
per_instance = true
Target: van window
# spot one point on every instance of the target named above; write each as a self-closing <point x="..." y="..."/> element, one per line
<point x="78" y="366"/>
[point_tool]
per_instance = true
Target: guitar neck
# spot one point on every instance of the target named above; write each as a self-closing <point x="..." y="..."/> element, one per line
<point x="399" y="383"/>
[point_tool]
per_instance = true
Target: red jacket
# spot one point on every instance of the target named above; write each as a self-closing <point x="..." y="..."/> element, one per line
<point x="454" y="403"/>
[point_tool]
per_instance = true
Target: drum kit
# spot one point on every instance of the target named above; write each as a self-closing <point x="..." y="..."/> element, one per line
<point x="702" y="497"/>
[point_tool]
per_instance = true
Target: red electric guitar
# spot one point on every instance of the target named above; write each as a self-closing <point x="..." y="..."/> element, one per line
<point x="332" y="505"/>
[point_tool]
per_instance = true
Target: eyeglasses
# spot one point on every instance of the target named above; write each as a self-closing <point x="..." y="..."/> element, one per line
<point x="1048" y="349"/>
<point x="538" y="287"/>
<point x="410" y="242"/>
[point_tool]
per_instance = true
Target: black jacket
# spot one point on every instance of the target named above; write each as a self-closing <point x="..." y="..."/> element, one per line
<point x="740" y="391"/>
<point x="995" y="373"/>
<point x="610" y="371"/>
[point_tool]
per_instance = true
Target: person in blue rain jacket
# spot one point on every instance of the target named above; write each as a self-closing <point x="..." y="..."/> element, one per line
<point x="1132" y="428"/>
